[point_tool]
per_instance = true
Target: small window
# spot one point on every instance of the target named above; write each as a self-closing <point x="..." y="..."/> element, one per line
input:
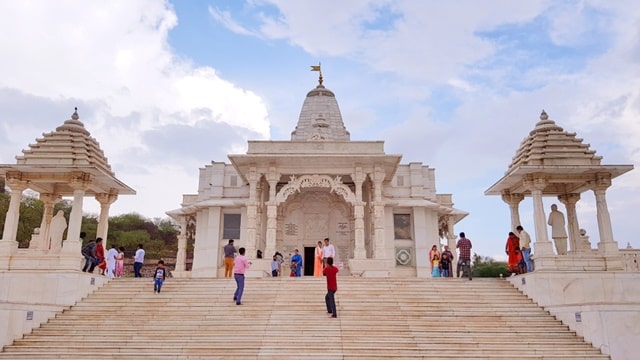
<point x="400" y="180"/>
<point x="231" y="226"/>
<point x="233" y="180"/>
<point x="402" y="226"/>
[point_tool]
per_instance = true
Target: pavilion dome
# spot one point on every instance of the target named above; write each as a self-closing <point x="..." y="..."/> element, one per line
<point x="69" y="145"/>
<point x="549" y="145"/>
<point x="320" y="118"/>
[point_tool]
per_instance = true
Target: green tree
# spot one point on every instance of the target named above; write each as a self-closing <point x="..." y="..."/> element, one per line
<point x="159" y="237"/>
<point x="484" y="266"/>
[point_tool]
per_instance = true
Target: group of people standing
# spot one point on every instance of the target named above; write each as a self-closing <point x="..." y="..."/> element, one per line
<point x="442" y="262"/>
<point x="110" y="264"/>
<point x="518" y="249"/>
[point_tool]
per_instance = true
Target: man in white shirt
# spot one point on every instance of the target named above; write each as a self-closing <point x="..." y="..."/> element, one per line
<point x="138" y="260"/>
<point x="328" y="251"/>
<point x="111" y="261"/>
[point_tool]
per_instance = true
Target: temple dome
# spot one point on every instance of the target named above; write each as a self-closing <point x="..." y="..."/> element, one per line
<point x="70" y="144"/>
<point x="549" y="144"/>
<point x="320" y="118"/>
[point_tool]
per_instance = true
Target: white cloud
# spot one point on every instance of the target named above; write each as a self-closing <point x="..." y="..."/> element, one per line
<point x="224" y="18"/>
<point x="113" y="58"/>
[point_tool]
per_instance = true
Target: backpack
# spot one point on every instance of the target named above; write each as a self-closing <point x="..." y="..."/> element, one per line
<point x="89" y="249"/>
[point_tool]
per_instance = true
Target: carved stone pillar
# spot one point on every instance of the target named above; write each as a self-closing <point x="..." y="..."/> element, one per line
<point x="569" y="201"/>
<point x="607" y="246"/>
<point x="272" y="222"/>
<point x="359" y="251"/>
<point x="42" y="242"/>
<point x="17" y="185"/>
<point x="79" y="182"/>
<point x="513" y="200"/>
<point x="272" y="213"/>
<point x="252" y="211"/>
<point x="8" y="244"/>
<point x="451" y="238"/>
<point x="379" y="250"/>
<point x="181" y="255"/>
<point x="105" y="200"/>
<point x="542" y="245"/>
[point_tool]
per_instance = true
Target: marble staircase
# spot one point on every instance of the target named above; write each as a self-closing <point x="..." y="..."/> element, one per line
<point x="285" y="318"/>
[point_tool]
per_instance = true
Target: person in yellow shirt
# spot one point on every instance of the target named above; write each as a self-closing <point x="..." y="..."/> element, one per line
<point x="525" y="246"/>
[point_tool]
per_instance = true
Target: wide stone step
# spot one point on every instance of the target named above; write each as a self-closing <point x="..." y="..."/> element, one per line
<point x="311" y="356"/>
<point x="285" y="318"/>
<point x="181" y="347"/>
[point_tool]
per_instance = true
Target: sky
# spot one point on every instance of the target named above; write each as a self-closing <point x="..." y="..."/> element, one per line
<point x="166" y="87"/>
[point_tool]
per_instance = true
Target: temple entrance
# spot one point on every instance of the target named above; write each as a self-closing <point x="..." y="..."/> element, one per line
<point x="308" y="260"/>
<point x="312" y="215"/>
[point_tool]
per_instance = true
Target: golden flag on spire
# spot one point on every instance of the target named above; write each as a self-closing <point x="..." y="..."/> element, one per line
<point x="315" y="68"/>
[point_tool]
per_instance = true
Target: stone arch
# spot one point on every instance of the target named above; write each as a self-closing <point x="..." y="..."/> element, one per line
<point x="335" y="185"/>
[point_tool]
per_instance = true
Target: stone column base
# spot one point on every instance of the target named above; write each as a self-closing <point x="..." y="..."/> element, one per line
<point x="611" y="253"/>
<point x="71" y="261"/>
<point x="543" y="248"/>
<point x="8" y="248"/>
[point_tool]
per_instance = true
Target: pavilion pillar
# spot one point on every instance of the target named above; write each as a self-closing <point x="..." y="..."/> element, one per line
<point x="359" y="251"/>
<point x="272" y="213"/>
<point x="8" y="244"/>
<point x="42" y="242"/>
<point x="569" y="201"/>
<point x="542" y="246"/>
<point x="379" y="250"/>
<point x="607" y="246"/>
<point x="181" y="255"/>
<point x="252" y="213"/>
<point x="105" y="200"/>
<point x="451" y="238"/>
<point x="513" y="200"/>
<point x="72" y="244"/>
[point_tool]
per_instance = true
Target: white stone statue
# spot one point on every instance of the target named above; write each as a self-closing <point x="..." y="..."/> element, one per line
<point x="58" y="225"/>
<point x="558" y="230"/>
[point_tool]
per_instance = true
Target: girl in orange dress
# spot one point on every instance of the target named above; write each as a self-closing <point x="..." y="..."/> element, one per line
<point x="317" y="263"/>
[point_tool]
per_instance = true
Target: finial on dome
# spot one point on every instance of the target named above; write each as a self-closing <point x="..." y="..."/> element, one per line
<point x="543" y="115"/>
<point x="317" y="68"/>
<point x="75" y="114"/>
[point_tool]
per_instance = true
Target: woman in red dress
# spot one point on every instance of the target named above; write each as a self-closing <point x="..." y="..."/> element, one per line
<point x="512" y="249"/>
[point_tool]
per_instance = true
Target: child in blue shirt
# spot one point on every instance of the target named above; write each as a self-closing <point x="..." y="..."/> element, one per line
<point x="159" y="276"/>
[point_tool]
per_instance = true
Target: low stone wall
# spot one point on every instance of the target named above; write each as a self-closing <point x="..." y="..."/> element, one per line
<point x="603" y="307"/>
<point x="29" y="298"/>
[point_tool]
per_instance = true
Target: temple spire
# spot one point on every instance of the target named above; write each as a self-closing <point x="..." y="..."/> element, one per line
<point x="319" y="69"/>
